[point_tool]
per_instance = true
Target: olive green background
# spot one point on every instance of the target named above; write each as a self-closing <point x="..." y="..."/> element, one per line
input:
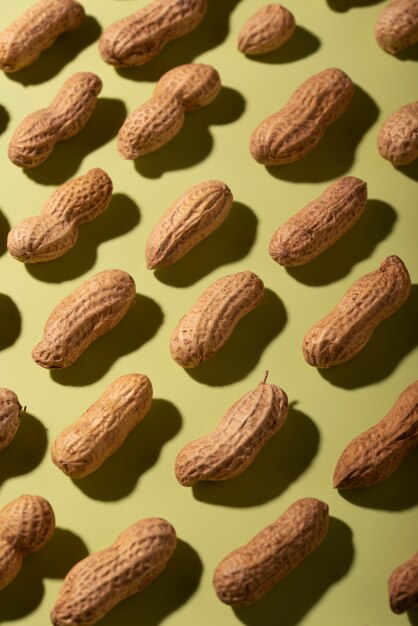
<point x="372" y="530"/>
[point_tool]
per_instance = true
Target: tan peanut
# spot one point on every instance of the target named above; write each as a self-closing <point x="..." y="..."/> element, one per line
<point x="37" y="29"/>
<point x="248" y="573"/>
<point x="82" y="447"/>
<point x="239" y="437"/>
<point x="55" y="230"/>
<point x="157" y="121"/>
<point x="397" y="25"/>
<point x="207" y="326"/>
<point x="268" y="29"/>
<point x="138" y="38"/>
<point x="26" y="526"/>
<point x="297" y="128"/>
<point x="10" y="409"/>
<point x="375" y="454"/>
<point x="397" y="140"/>
<point x="100" y="581"/>
<point x="403" y="586"/>
<point x="87" y="313"/>
<point x="193" y="216"/>
<point x="345" y="331"/>
<point x="35" y="137"/>
<point x="313" y="229"/>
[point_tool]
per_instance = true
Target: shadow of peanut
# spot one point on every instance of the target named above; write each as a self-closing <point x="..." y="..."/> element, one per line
<point x="4" y="231"/>
<point x="10" y="322"/>
<point x="341" y="6"/>
<point x="4" y="119"/>
<point x="26" y="450"/>
<point x="302" y="44"/>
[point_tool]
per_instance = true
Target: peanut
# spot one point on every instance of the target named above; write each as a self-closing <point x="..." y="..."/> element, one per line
<point x="248" y="573"/>
<point x="375" y="454"/>
<point x="35" y="137"/>
<point x="157" y="121"/>
<point x="193" y="216"/>
<point x="138" y="38"/>
<point x="345" y="331"/>
<point x="82" y="447"/>
<point x="206" y="327"/>
<point x="397" y="25"/>
<point x="320" y="223"/>
<point x="268" y="29"/>
<point x="90" y="311"/>
<point x="55" y="230"/>
<point x="397" y="140"/>
<point x="37" y="29"/>
<point x="403" y="586"/>
<point x="238" y="438"/>
<point x="296" y="129"/>
<point x="100" y="581"/>
<point x="26" y="525"/>
<point x="10" y="409"/>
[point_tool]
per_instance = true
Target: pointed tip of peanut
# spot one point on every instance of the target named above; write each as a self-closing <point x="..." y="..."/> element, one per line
<point x="266" y="373"/>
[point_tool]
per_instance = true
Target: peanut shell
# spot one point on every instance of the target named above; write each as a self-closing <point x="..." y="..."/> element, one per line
<point x="268" y="29"/>
<point x="403" y="586"/>
<point x="10" y="409"/>
<point x="397" y="25"/>
<point x="397" y="140"/>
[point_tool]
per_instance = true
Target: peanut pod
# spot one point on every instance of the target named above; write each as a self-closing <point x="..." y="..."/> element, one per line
<point x="403" y="586"/>
<point x="375" y="454"/>
<point x="397" y="140"/>
<point x="10" y="409"/>
<point x="37" y="29"/>
<point x="268" y="29"/>
<point x="397" y="25"/>
<point x="206" y="327"/>
<point x="248" y="573"/>
<point x="82" y="447"/>
<point x="90" y="311"/>
<point x="239" y="437"/>
<point x="138" y="38"/>
<point x="55" y="230"/>
<point x="320" y="223"/>
<point x="26" y="526"/>
<point x="35" y="137"/>
<point x="345" y="331"/>
<point x="297" y="128"/>
<point x="193" y="216"/>
<point x="157" y="121"/>
<point x="100" y="581"/>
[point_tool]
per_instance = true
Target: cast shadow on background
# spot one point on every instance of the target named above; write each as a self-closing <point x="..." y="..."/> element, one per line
<point x="409" y="54"/>
<point x="10" y="322"/>
<point x="410" y="170"/>
<point x="26" y="450"/>
<point x="171" y="590"/>
<point x="4" y="231"/>
<point x="242" y="352"/>
<point x="355" y="246"/>
<point x="26" y="592"/>
<point x="392" y="341"/>
<point x="67" y="156"/>
<point x="294" y="596"/>
<point x="52" y="61"/>
<point x="4" y="119"/>
<point x="222" y="247"/>
<point x="211" y="33"/>
<point x="121" y="216"/>
<point x="341" y="6"/>
<point x="413" y="617"/>
<point x="194" y="142"/>
<point x="139" y="325"/>
<point x="302" y="44"/>
<point x="335" y="153"/>
<point x="284" y="458"/>
<point x="394" y="493"/>
<point x="119" y="475"/>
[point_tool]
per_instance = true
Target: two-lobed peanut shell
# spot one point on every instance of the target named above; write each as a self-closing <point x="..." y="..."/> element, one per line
<point x="248" y="573"/>
<point x="268" y="29"/>
<point x="374" y="455"/>
<point x="231" y="448"/>
<point x="87" y="313"/>
<point x="193" y="216"/>
<point x="100" y="581"/>
<point x="397" y="140"/>
<point x="37" y="29"/>
<point x="397" y="25"/>
<point x="297" y="128"/>
<point x="209" y="323"/>
<point x="403" y="586"/>
<point x="55" y="231"/>
<point x="341" y="334"/>
<point x="82" y="447"/>
<point x="10" y="409"/>
<point x="317" y="226"/>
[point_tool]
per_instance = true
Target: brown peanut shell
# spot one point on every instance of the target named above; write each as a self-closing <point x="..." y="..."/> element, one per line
<point x="397" y="25"/>
<point x="10" y="409"/>
<point x="267" y="30"/>
<point x="403" y="586"/>
<point x="397" y="140"/>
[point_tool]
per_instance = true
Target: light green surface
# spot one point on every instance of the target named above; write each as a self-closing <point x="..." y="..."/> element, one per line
<point x="372" y="531"/>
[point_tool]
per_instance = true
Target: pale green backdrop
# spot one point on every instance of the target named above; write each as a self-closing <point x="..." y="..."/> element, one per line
<point x="372" y="530"/>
